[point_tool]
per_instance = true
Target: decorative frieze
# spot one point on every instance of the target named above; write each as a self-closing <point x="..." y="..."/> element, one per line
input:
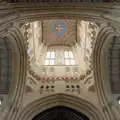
<point x="53" y="78"/>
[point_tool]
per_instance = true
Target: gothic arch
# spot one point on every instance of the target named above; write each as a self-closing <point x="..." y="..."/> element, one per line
<point x="19" y="70"/>
<point x="30" y="111"/>
<point x="24" y="13"/>
<point x="104" y="38"/>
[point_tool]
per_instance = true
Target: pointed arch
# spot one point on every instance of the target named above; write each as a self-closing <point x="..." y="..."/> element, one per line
<point x="31" y="110"/>
<point x="104" y="38"/>
<point x="19" y="59"/>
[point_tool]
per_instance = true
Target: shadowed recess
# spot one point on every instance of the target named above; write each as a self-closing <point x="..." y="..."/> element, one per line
<point x="60" y="113"/>
<point x="114" y="65"/>
<point x="5" y="65"/>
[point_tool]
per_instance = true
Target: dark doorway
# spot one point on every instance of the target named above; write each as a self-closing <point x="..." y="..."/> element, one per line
<point x="60" y="113"/>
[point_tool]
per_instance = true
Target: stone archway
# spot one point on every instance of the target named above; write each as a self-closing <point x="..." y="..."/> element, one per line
<point x="19" y="58"/>
<point x="28" y="112"/>
<point x="25" y="13"/>
<point x="105" y="37"/>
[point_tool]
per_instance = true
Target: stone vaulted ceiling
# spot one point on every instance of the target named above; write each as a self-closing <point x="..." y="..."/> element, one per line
<point x="59" y="32"/>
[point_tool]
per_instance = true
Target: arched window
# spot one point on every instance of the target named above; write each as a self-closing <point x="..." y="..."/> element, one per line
<point x="50" y="58"/>
<point x="69" y="58"/>
<point x="5" y="65"/>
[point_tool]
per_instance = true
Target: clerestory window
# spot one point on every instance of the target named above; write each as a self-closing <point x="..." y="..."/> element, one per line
<point x="69" y="58"/>
<point x="50" y="58"/>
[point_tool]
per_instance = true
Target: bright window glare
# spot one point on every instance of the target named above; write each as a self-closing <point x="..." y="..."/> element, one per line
<point x="119" y="102"/>
<point x="69" y="58"/>
<point x="67" y="62"/>
<point x="66" y="54"/>
<point x="0" y="102"/>
<point x="51" y="62"/>
<point x="48" y="55"/>
<point x="72" y="62"/>
<point x="50" y="58"/>
<point x="70" y="54"/>
<point x="52" y="55"/>
<point x="46" y="62"/>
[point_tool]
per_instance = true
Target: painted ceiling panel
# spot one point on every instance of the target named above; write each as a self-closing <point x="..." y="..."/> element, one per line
<point x="59" y="32"/>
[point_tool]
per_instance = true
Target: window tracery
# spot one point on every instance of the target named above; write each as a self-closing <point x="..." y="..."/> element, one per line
<point x="50" y="58"/>
<point x="69" y="58"/>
